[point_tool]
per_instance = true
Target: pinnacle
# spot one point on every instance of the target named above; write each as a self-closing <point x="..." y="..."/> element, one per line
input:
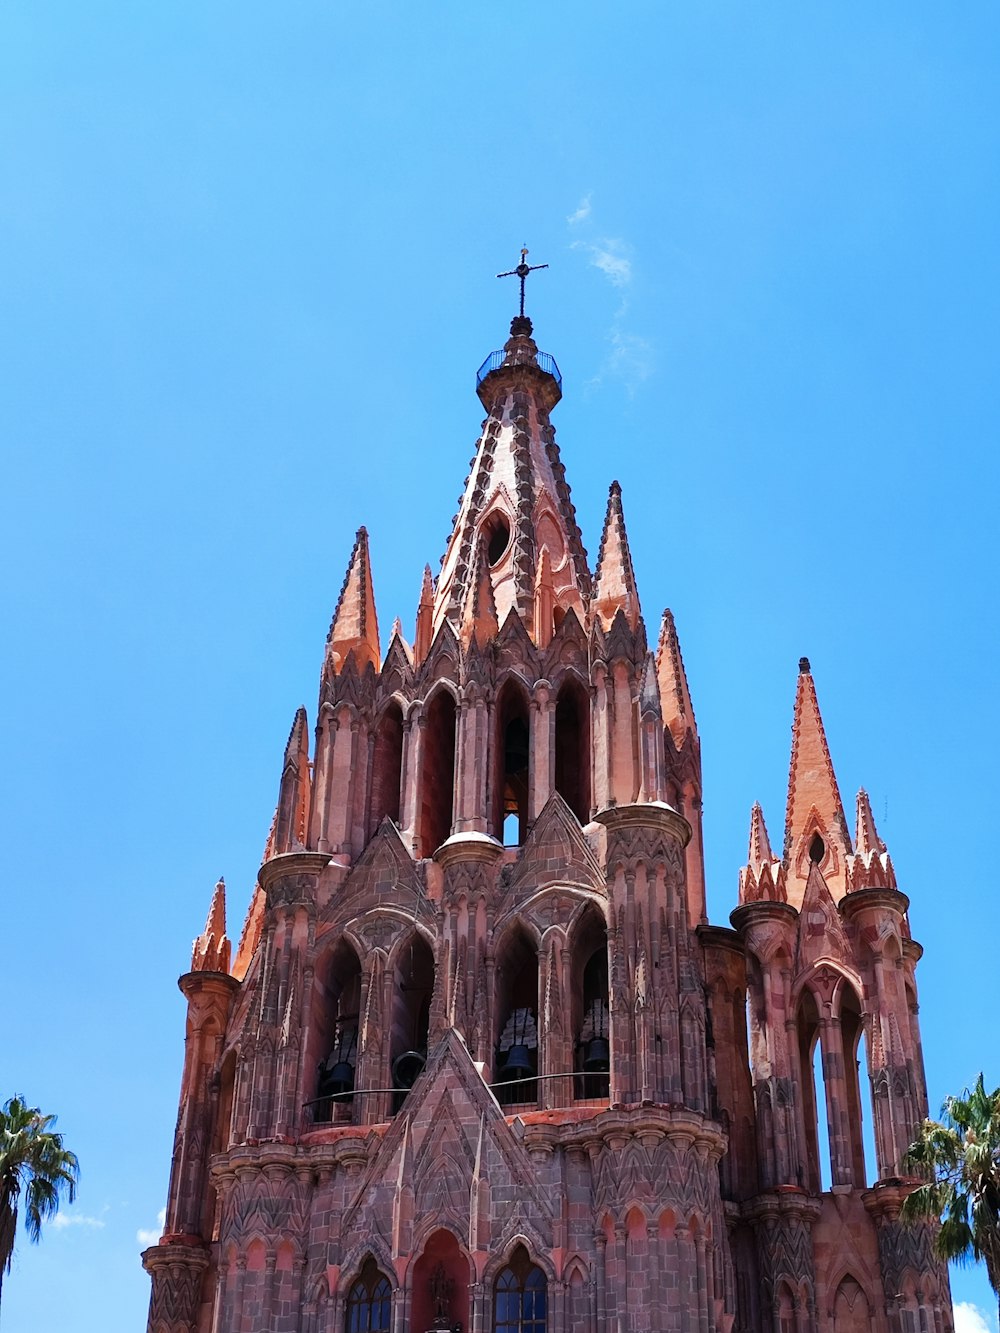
<point x="678" y="713"/>
<point x="760" y="844"/>
<point x="354" y="628"/>
<point x="211" y="949"/>
<point x="815" y="827"/>
<point x="614" y="583"/>
<point x="867" y="839"/>
<point x="298" y="739"/>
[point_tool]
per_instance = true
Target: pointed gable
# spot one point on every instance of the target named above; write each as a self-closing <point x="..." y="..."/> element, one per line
<point x="815" y="827"/>
<point x="463" y="1163"/>
<point x="555" y="852"/>
<point x="821" y="932"/>
<point x="354" y="628"/>
<point x="384" y="875"/>
<point x="614" y="583"/>
<point x="479" y="620"/>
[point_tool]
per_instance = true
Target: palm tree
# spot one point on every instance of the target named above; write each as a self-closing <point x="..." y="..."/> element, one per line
<point x="32" y="1159"/>
<point x="959" y="1159"/>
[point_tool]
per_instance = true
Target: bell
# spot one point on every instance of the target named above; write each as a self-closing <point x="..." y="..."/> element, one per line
<point x="518" y="1065"/>
<point x="338" y="1080"/>
<point x="597" y="1059"/>
<point x="406" y="1068"/>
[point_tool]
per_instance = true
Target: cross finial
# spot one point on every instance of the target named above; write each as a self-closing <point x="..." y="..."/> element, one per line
<point x="522" y="271"/>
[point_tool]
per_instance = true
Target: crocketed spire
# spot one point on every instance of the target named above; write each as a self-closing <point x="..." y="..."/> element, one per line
<point x="614" y="583"/>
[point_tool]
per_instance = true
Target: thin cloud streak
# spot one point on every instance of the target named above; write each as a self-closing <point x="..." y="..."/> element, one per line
<point x="149" y="1235"/>
<point x="608" y="256"/>
<point x="582" y="212"/>
<point x="63" y="1220"/>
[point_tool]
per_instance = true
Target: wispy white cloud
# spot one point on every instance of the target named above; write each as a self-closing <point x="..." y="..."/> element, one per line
<point x="150" y="1235"/>
<point x="63" y="1220"/>
<point x="611" y="257"/>
<point x="970" y="1319"/>
<point x="582" y="212"/>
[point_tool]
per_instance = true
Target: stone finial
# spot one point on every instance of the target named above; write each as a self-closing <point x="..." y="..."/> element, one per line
<point x="871" y="865"/>
<point x="211" y="949"/>
<point x="425" y="618"/>
<point x="614" y="583"/>
<point x="354" y="628"/>
<point x="815" y="826"/>
<point x="675" y="697"/>
<point x="763" y="877"/>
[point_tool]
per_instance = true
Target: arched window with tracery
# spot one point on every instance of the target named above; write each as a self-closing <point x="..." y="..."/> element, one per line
<point x="369" y="1301"/>
<point x="519" y="1300"/>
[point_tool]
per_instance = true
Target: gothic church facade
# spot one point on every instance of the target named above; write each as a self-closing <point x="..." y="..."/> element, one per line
<point x="478" y="1061"/>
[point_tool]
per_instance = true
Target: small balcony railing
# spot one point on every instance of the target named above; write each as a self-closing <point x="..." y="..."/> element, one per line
<point x="496" y="359"/>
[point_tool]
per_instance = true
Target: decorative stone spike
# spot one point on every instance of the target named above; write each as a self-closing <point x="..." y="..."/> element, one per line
<point x="614" y="583"/>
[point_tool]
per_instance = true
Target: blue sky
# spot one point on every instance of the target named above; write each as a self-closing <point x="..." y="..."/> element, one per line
<point x="246" y="273"/>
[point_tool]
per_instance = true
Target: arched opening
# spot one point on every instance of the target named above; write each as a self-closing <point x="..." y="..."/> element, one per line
<point x="520" y="1296"/>
<point x="438" y="773"/>
<point x="852" y="1035"/>
<point x="440" y="1285"/>
<point x="413" y="985"/>
<point x="387" y="768"/>
<point x="850" y="1308"/>
<point x="516" y="1065"/>
<point x="496" y="537"/>
<point x="591" y="1018"/>
<point x="785" y="1309"/>
<point x="340" y="1004"/>
<point x="512" y="750"/>
<point x="224" y="1114"/>
<point x="813" y="1099"/>
<point x="817" y="849"/>
<point x="572" y="741"/>
<point x="369" y="1301"/>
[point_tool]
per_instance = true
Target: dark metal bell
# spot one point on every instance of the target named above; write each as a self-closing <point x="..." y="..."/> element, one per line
<point x="338" y="1080"/>
<point x="406" y="1068"/>
<point x="598" y="1057"/>
<point x="518" y="1065"/>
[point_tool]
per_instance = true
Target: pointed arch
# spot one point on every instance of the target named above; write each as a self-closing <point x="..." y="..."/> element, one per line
<point x="436" y="798"/>
<point x="332" y="1048"/>
<point x="520" y="1295"/>
<point x="852" y="1032"/>
<point x="387" y="767"/>
<point x="511" y="762"/>
<point x="572" y="745"/>
<point x="516" y="1008"/>
<point x="590" y="1014"/>
<point x="368" y="1307"/>
<point x="412" y="988"/>
<point x="851" y="1310"/>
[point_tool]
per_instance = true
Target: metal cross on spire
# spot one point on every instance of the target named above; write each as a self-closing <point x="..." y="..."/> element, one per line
<point x="522" y="271"/>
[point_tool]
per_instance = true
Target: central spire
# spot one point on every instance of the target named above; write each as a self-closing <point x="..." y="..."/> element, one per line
<point x="516" y="506"/>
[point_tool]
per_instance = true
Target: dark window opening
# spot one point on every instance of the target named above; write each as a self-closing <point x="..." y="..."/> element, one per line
<point x="438" y="774"/>
<point x="592" y="1056"/>
<point x="369" y="1302"/>
<point x="339" y="1050"/>
<point x="413" y="988"/>
<point x="387" y="767"/>
<point x="516" y="1064"/>
<point x="513" y="743"/>
<point x="817" y="849"/>
<point x="497" y="538"/>
<point x="573" y="749"/>
<point x="519" y="1300"/>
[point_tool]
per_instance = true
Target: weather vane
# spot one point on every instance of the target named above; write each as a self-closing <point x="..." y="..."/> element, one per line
<point x="522" y="271"/>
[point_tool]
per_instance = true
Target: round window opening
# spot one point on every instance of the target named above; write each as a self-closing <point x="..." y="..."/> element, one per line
<point x="497" y="538"/>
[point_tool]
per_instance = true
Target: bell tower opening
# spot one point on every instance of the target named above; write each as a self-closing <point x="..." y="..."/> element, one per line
<point x="414" y="985"/>
<point x="516" y="1064"/>
<point x="573" y="748"/>
<point x="387" y="767"/>
<point x="591" y="1017"/>
<point x="513" y="757"/>
<point x="338" y="1051"/>
<point x="437" y="797"/>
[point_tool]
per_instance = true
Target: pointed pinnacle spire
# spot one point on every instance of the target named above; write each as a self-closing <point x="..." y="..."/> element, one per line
<point x="480" y="621"/>
<point x="211" y="949"/>
<point x="425" y="618"/>
<point x="867" y="839"/>
<point x="650" y="701"/>
<point x="354" y="628"/>
<point x="294" y="791"/>
<point x="614" y="583"/>
<point x="760" y="843"/>
<point x="675" y="697"/>
<point x="815" y="827"/>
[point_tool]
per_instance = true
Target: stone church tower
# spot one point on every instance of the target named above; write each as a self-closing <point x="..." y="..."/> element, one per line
<point x="478" y="1061"/>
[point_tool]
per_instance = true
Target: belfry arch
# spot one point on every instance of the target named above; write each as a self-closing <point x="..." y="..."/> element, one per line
<point x="436" y="797"/>
<point x="572" y="747"/>
<point x="512" y="763"/>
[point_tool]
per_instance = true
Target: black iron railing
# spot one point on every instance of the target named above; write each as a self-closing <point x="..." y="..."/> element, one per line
<point x="496" y="359"/>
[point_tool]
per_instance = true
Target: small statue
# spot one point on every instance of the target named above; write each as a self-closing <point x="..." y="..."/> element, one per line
<point x="441" y="1288"/>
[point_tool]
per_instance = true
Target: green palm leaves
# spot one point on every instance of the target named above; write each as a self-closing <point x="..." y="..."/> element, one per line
<point x="35" y="1168"/>
<point x="959" y="1158"/>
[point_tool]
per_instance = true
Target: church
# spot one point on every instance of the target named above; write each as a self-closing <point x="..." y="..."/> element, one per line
<point x="478" y="1062"/>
